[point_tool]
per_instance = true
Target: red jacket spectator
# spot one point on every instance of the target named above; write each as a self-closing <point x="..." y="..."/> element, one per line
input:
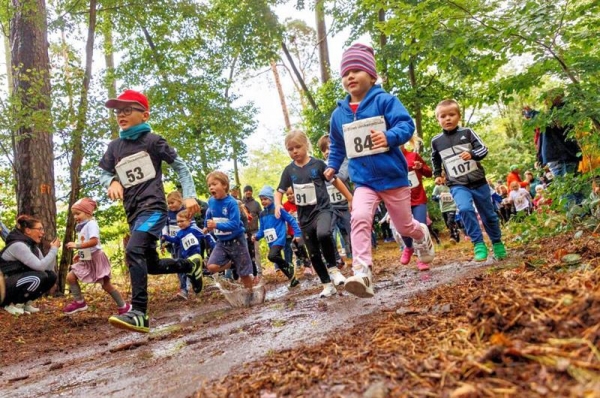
<point x="514" y="176"/>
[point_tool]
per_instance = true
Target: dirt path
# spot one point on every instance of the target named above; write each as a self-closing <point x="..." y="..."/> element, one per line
<point x="189" y="346"/>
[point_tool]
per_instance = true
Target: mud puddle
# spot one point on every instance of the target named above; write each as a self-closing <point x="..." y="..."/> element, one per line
<point x="196" y="344"/>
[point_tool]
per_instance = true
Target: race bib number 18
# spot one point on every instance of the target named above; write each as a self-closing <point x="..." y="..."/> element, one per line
<point x="357" y="136"/>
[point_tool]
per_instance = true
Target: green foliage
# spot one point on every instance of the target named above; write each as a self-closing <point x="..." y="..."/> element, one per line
<point x="316" y="122"/>
<point x="265" y="167"/>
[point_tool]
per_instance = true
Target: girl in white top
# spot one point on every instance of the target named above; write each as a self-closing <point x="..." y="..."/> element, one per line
<point x="91" y="264"/>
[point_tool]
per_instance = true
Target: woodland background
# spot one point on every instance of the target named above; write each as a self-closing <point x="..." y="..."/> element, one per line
<point x="194" y="58"/>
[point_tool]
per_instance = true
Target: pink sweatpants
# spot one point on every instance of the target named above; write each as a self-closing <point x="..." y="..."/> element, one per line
<point x="364" y="204"/>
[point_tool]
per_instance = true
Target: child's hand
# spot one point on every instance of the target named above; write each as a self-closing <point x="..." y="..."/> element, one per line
<point x="277" y="211"/>
<point x="71" y="245"/>
<point x="329" y="173"/>
<point x="417" y="165"/>
<point x="191" y="206"/>
<point x="465" y="156"/>
<point x="253" y="238"/>
<point x="379" y="139"/>
<point x="350" y="205"/>
<point x="211" y="225"/>
<point x="115" y="190"/>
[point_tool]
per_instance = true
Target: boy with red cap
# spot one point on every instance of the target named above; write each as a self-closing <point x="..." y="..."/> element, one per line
<point x="91" y="264"/>
<point x="131" y="170"/>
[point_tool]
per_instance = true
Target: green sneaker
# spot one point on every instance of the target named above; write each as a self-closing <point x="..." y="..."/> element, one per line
<point x="499" y="250"/>
<point x="133" y="320"/>
<point x="481" y="252"/>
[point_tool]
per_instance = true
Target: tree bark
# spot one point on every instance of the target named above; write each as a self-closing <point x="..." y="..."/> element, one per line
<point x="33" y="149"/>
<point x="284" y="108"/>
<point x="324" y="63"/>
<point x="299" y="76"/>
<point x="111" y="81"/>
<point x="382" y="43"/>
<point x="77" y="148"/>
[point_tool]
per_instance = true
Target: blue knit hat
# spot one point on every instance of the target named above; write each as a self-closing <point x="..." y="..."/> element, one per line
<point x="359" y="57"/>
<point x="267" y="192"/>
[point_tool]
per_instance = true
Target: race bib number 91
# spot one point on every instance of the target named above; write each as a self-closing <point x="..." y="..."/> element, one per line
<point x="306" y="194"/>
<point x="357" y="137"/>
<point x="135" y="169"/>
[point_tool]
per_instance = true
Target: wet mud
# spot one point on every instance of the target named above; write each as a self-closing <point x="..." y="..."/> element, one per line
<point x="192" y="345"/>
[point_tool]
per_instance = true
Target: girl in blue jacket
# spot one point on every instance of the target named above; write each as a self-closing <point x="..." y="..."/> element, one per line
<point x="274" y="231"/>
<point x="368" y="127"/>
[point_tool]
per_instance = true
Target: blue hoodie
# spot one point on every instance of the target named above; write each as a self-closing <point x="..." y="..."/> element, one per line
<point x="383" y="171"/>
<point x="269" y="221"/>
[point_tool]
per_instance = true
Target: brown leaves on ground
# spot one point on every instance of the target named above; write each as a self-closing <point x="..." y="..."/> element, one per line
<point x="517" y="331"/>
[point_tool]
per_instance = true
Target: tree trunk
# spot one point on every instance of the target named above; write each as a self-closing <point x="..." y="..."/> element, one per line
<point x="299" y="76"/>
<point x="284" y="108"/>
<point x="77" y="148"/>
<point x="33" y="149"/>
<point x="324" y="63"/>
<point x="111" y="81"/>
<point x="382" y="44"/>
<point x="415" y="87"/>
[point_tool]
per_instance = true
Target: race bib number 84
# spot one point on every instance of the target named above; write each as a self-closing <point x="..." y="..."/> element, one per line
<point x="357" y="136"/>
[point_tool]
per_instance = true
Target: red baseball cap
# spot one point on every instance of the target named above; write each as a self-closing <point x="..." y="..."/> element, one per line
<point x="128" y="98"/>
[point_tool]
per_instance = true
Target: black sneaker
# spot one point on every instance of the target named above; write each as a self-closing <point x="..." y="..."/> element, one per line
<point x="294" y="282"/>
<point x="195" y="275"/>
<point x="133" y="320"/>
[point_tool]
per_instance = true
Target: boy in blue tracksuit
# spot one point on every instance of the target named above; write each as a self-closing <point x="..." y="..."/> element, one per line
<point x="188" y="240"/>
<point x="274" y="231"/>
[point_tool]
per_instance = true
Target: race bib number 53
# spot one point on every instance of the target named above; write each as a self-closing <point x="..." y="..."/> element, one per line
<point x="357" y="136"/>
<point x="135" y="169"/>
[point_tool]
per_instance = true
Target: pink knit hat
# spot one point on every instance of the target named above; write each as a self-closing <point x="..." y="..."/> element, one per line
<point x="359" y="57"/>
<point x="85" y="205"/>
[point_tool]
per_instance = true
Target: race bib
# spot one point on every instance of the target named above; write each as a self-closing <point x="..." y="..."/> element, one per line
<point x="135" y="169"/>
<point x="219" y="232"/>
<point x="521" y="203"/>
<point x="270" y="235"/>
<point x="457" y="167"/>
<point x="173" y="229"/>
<point x="85" y="254"/>
<point x="188" y="241"/>
<point x="306" y="194"/>
<point x="413" y="180"/>
<point x="357" y="136"/>
<point x="446" y="197"/>
<point x="335" y="196"/>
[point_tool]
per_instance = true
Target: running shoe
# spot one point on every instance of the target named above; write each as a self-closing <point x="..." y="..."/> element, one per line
<point x="499" y="250"/>
<point x="134" y="320"/>
<point x="75" y="307"/>
<point x="336" y="276"/>
<point x="480" y="252"/>
<point x="29" y="308"/>
<point x="182" y="294"/>
<point x="294" y="282"/>
<point x="424" y="247"/>
<point x="195" y="275"/>
<point x="13" y="309"/>
<point x="125" y="309"/>
<point x="421" y="266"/>
<point x="328" y="290"/>
<point x="361" y="284"/>
<point x="406" y="255"/>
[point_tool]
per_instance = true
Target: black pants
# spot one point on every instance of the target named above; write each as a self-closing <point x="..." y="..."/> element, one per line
<point x="276" y="257"/>
<point x="318" y="240"/>
<point x="142" y="258"/>
<point x="252" y="252"/>
<point x="450" y="220"/>
<point x="26" y="286"/>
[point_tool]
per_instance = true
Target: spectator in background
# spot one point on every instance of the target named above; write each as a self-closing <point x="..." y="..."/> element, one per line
<point x="254" y="210"/>
<point x="532" y="181"/>
<point x="514" y="175"/>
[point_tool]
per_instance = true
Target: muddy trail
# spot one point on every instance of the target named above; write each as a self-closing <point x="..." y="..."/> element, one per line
<point x="188" y="345"/>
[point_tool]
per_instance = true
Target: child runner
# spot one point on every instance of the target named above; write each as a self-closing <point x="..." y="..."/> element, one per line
<point x="131" y="170"/>
<point x="305" y="175"/>
<point x="274" y="230"/>
<point x="189" y="241"/>
<point x="341" y="214"/>
<point x="441" y="193"/>
<point x="92" y="265"/>
<point x="368" y="127"/>
<point x="292" y="246"/>
<point x="174" y="206"/>
<point x="223" y="219"/>
<point x="417" y="169"/>
<point x="521" y="199"/>
<point x="459" y="150"/>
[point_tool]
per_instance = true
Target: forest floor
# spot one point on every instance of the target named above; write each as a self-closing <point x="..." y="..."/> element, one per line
<point x="527" y="326"/>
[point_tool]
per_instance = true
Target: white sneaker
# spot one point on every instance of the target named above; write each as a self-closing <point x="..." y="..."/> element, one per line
<point x="328" y="290"/>
<point x="361" y="283"/>
<point x="13" y="309"/>
<point x="424" y="248"/>
<point x="336" y="276"/>
<point x="28" y="307"/>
